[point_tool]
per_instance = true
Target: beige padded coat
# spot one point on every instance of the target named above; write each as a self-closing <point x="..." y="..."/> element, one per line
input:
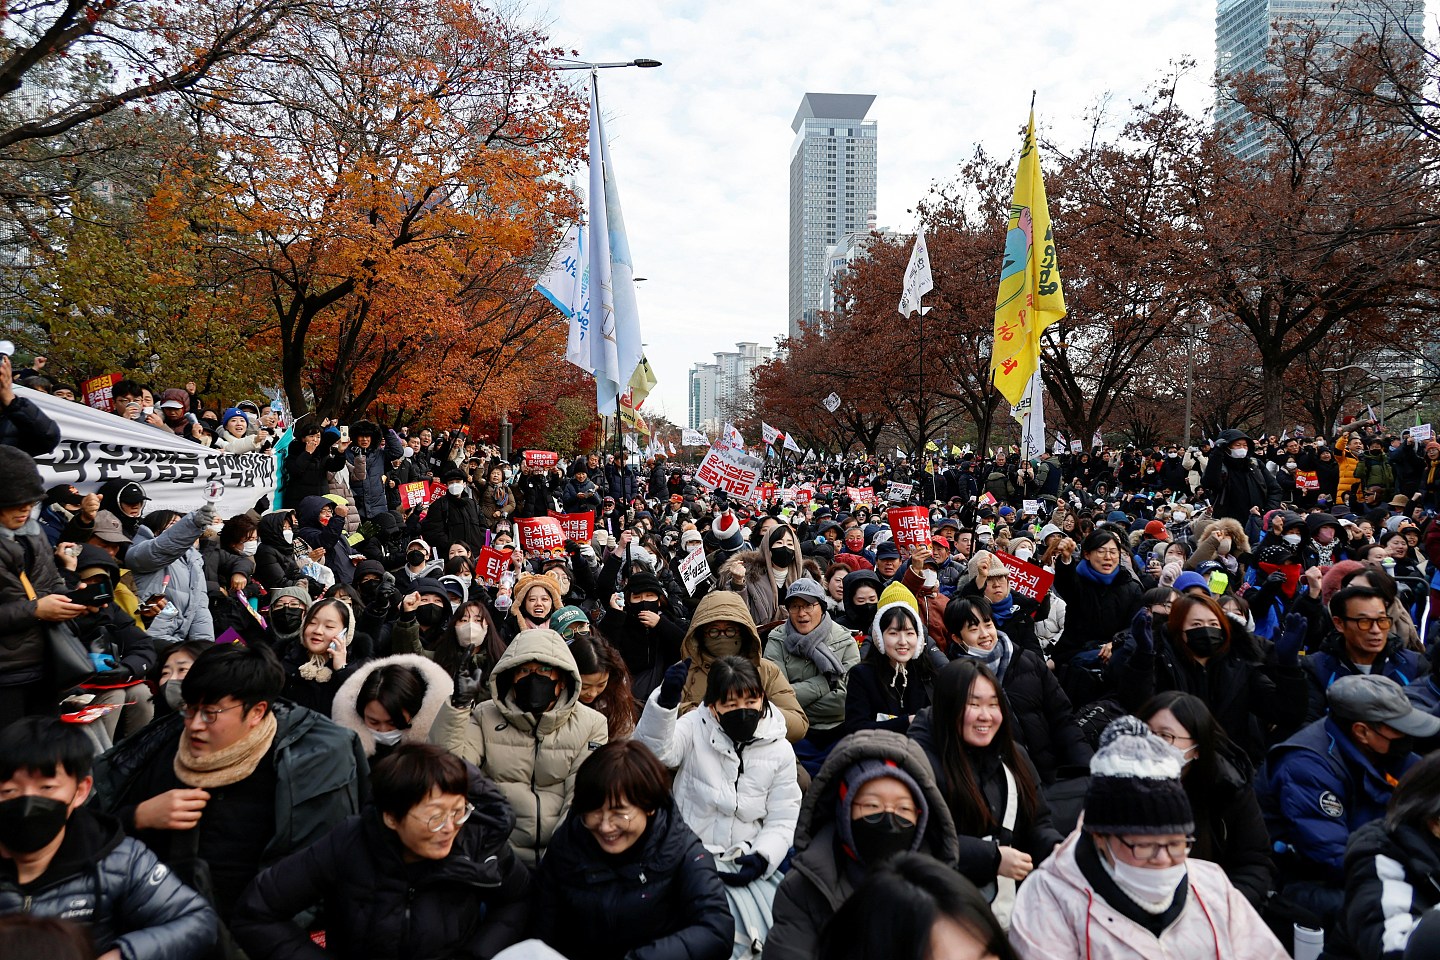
<point x="533" y="764"/>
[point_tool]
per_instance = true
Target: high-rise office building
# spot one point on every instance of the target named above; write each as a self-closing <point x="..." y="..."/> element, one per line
<point x="832" y="191"/>
<point x="1244" y="30"/>
<point x="718" y="390"/>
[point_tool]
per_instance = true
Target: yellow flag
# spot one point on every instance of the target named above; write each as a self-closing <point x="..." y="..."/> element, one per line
<point x="1030" y="297"/>
<point x="931" y="446"/>
<point x="955" y="451"/>
<point x="642" y="381"/>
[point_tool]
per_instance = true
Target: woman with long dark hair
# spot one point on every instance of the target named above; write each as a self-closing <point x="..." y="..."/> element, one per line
<point x="468" y="649"/>
<point x="605" y="682"/>
<point x="1217" y="777"/>
<point x="989" y="783"/>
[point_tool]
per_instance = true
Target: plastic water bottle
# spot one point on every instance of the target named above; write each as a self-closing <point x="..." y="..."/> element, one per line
<point x="1308" y="943"/>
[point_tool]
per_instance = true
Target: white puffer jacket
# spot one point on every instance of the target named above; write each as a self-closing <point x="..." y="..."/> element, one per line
<point x="734" y="808"/>
<point x="1048" y="631"/>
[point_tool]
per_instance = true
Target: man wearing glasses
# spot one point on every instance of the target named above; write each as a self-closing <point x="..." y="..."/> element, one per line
<point x="1335" y="776"/>
<point x="1361" y="643"/>
<point x="236" y="779"/>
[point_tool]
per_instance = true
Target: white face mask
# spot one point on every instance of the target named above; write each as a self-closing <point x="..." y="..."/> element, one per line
<point x="1223" y="545"/>
<point x="249" y="547"/>
<point x="1153" y="888"/>
<point x="1290" y="465"/>
<point x="455" y="489"/>
<point x="1239" y="453"/>
<point x="289" y="536"/>
<point x="389" y="738"/>
<point x="1292" y="538"/>
<point x="470" y="634"/>
<point x="1024" y="554"/>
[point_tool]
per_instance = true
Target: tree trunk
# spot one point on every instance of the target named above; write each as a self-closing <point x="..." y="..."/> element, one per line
<point x="1272" y="383"/>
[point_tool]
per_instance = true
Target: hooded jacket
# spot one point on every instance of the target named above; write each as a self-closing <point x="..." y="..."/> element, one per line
<point x="275" y="557"/>
<point x="306" y="473"/>
<point x="117" y="889"/>
<point x="471" y="903"/>
<point x="438" y="688"/>
<point x="1237" y="484"/>
<point x="824" y="704"/>
<point x="660" y="900"/>
<point x="875" y="696"/>
<point x="1059" y="913"/>
<point x="22" y="638"/>
<point x="452" y="520"/>
<point x="822" y="874"/>
<point x="738" y="799"/>
<point x="370" y="488"/>
<point x="110" y="629"/>
<point x="330" y="536"/>
<point x="762" y="594"/>
<point x="726" y="606"/>
<point x="170" y="563"/>
<point x="532" y="762"/>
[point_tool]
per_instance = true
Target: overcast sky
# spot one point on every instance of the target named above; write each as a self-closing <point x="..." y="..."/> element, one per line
<point x="701" y="145"/>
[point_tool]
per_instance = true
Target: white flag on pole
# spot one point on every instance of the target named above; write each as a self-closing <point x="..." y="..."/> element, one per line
<point x="832" y="402"/>
<point x="692" y="438"/>
<point x="770" y="433"/>
<point x="671" y="445"/>
<point x="1031" y="416"/>
<point x="918" y="279"/>
<point x="615" y="331"/>
<point x="566" y="284"/>
<point x="791" y="445"/>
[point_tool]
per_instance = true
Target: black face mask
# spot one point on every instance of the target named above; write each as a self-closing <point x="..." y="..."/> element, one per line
<point x="415" y="557"/>
<point x="862" y="614"/>
<point x="644" y="606"/>
<point x="739" y="725"/>
<point x="1204" y="641"/>
<point x="287" y="620"/>
<point x="1399" y="750"/>
<point x="430" y="614"/>
<point x="369" y="590"/>
<point x="28" y="823"/>
<point x="783" y="556"/>
<point x="881" y="836"/>
<point x="534" y="693"/>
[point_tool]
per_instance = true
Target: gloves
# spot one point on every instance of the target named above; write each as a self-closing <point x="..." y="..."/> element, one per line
<point x="467" y="686"/>
<point x="1292" y="634"/>
<point x="112" y="678"/>
<point x="1276" y="580"/>
<point x="673" y="683"/>
<point x="751" y="867"/>
<point x="1140" y="630"/>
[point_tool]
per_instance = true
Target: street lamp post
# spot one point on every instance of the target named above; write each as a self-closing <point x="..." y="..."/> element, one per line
<point x="584" y="65"/>
<point x="1369" y="373"/>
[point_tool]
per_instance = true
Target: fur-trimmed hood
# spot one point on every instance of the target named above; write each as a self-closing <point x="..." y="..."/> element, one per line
<point x="438" y="689"/>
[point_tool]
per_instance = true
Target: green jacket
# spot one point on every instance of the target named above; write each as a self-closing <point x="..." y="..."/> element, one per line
<point x="824" y="705"/>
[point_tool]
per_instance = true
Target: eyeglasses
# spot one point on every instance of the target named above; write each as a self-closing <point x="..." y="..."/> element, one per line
<point x="729" y="631"/>
<point x="1107" y="553"/>
<point x="1147" y="850"/>
<point x="1170" y="738"/>
<point x="872" y="808"/>
<point x="1369" y="623"/>
<point x="437" y="823"/>
<point x="208" y="715"/>
<point x="594" y="819"/>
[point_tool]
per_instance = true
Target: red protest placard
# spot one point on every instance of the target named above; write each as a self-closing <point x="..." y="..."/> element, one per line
<point x="99" y="393"/>
<point x="825" y="489"/>
<point x="1026" y="579"/>
<point x="413" y="494"/>
<point x="491" y="564"/>
<point x="865" y="495"/>
<point x="579" y="527"/>
<point x="544" y="459"/>
<point x="767" y="492"/>
<point x="804" y="495"/>
<point x="1307" y="480"/>
<point x="540" y="534"/>
<point x="910" y="527"/>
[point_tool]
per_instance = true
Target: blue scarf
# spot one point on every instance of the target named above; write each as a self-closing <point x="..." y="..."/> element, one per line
<point x="1002" y="609"/>
<point x="1095" y="576"/>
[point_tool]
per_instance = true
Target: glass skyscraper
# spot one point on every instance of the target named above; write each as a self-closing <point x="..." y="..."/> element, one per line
<point x="832" y="191"/>
<point x="1244" y="30"/>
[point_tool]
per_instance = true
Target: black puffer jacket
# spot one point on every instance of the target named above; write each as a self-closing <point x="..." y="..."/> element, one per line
<point x="1390" y="882"/>
<point x="660" y="900"/>
<point x="451" y="520"/>
<point x="306" y="473"/>
<point x="1044" y="720"/>
<point x="118" y="889"/>
<point x="979" y="859"/>
<point x="275" y="557"/>
<point x="110" y="629"/>
<point x="379" y="907"/>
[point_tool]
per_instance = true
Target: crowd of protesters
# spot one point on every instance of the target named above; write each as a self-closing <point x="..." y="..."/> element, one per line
<point x="319" y="727"/>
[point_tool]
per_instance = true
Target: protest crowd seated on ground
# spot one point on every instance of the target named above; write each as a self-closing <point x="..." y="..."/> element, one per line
<point x="390" y="690"/>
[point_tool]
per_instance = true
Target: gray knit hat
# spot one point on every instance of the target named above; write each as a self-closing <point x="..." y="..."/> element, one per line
<point x="1135" y="784"/>
<point x="19" y="479"/>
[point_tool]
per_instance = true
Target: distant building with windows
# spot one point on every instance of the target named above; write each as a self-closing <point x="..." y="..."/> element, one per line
<point x="1244" y="30"/>
<point x="718" y="389"/>
<point x="832" y="192"/>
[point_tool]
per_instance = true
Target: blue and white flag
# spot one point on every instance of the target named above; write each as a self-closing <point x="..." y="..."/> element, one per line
<point x="566" y="284"/>
<point x="616" y="351"/>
